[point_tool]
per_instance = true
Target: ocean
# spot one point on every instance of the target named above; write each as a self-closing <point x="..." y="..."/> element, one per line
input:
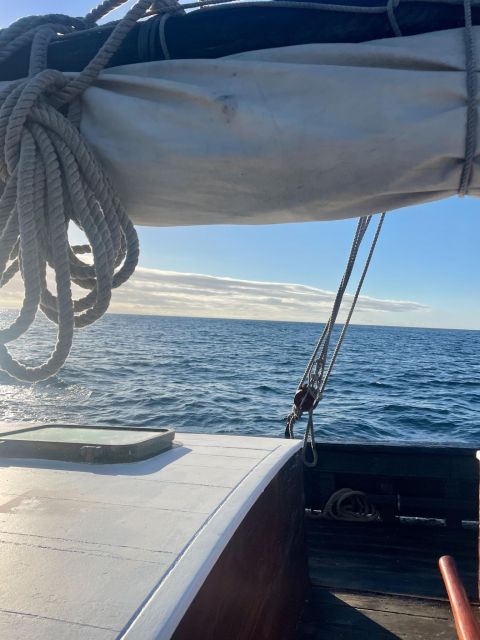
<point x="239" y="377"/>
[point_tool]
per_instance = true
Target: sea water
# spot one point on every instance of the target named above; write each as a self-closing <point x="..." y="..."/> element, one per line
<point x="239" y="377"/>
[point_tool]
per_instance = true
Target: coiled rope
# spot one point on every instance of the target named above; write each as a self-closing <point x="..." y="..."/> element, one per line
<point x="48" y="178"/>
<point x="348" y="505"/>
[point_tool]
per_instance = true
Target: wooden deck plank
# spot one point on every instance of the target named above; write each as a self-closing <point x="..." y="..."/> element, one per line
<point x="381" y="582"/>
<point x="387" y="559"/>
<point x="352" y="616"/>
<point x="379" y="602"/>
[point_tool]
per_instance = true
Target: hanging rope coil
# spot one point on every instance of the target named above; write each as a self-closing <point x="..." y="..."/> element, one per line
<point x="50" y="178"/>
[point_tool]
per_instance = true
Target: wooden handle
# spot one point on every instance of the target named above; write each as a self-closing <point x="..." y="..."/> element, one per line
<point x="465" y="621"/>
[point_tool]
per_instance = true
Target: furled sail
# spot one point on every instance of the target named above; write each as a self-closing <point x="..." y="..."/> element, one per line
<point x="311" y="132"/>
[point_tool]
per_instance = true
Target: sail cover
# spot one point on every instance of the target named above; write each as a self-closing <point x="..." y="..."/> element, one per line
<point x="311" y="132"/>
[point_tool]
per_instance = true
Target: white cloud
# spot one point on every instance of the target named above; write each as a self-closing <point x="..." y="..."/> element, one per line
<point x="156" y="292"/>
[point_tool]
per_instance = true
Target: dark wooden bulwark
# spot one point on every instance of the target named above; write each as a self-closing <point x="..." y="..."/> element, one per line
<point x="380" y="580"/>
<point x="257" y="588"/>
<point x="400" y="479"/>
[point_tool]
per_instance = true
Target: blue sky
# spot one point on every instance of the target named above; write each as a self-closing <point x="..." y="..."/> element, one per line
<point x="427" y="254"/>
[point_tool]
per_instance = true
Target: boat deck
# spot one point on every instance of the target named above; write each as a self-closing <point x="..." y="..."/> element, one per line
<point x="102" y="551"/>
<point x="381" y="582"/>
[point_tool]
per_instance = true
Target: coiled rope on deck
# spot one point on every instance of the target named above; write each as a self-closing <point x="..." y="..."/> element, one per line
<point x="49" y="178"/>
<point x="348" y="505"/>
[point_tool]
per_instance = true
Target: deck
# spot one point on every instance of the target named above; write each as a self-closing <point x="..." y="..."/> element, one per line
<point x="102" y="551"/>
<point x="381" y="582"/>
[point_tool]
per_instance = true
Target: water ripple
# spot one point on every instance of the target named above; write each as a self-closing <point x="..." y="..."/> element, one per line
<point x="221" y="376"/>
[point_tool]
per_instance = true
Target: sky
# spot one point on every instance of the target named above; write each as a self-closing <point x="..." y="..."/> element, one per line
<point x="425" y="271"/>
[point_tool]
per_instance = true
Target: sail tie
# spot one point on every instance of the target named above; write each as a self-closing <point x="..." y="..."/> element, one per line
<point x="391" y="6"/>
<point x="472" y="115"/>
<point x="166" y="8"/>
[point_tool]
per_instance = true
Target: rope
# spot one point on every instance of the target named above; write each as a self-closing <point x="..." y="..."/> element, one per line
<point x="51" y="178"/>
<point x="353" y="305"/>
<point x="350" y="506"/>
<point x="175" y="8"/>
<point x="314" y="371"/>
<point x="102" y="10"/>
<point x="315" y="378"/>
<point x="472" y="117"/>
<point x="391" y="6"/>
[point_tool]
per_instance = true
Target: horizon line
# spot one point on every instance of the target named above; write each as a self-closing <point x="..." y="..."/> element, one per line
<point x="272" y="320"/>
<point x="319" y="322"/>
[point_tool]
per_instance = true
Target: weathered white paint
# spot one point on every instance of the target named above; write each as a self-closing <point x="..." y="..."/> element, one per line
<point x="109" y="551"/>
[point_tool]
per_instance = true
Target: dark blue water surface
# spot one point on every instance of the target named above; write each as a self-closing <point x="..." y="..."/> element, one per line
<point x="235" y="376"/>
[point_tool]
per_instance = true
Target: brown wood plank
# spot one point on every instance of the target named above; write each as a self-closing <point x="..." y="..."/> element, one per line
<point x="436" y="609"/>
<point x="338" y="615"/>
<point x="456" y="449"/>
<point x="411" y="539"/>
<point x="398" y="559"/>
<point x="420" y="543"/>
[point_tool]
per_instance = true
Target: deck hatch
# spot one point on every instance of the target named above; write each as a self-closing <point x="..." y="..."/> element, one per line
<point x="75" y="443"/>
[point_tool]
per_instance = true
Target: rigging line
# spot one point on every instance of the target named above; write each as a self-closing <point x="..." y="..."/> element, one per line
<point x="309" y="395"/>
<point x="309" y="438"/>
<point x="354" y="302"/>
<point x="321" y="362"/>
<point x="345" y="278"/>
<point x="304" y="398"/>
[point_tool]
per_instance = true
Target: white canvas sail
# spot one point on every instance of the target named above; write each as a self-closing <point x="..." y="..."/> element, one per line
<point x="311" y="132"/>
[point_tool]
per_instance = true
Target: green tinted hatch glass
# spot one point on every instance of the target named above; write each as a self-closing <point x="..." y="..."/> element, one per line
<point x="82" y="436"/>
<point x="85" y="443"/>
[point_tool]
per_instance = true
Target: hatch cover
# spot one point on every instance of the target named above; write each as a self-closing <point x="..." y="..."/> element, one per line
<point x="78" y="443"/>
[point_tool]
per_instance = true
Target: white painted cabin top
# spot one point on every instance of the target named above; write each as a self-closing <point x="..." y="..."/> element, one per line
<point x="107" y="551"/>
